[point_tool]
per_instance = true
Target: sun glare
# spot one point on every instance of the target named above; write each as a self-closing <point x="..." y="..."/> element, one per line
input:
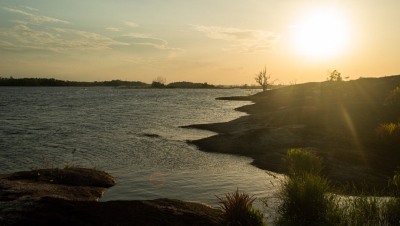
<point x="321" y="34"/>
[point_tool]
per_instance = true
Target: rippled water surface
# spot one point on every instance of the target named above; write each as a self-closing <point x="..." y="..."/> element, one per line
<point x="133" y="134"/>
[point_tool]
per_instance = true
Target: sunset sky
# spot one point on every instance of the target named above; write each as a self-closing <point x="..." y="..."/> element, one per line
<point x="214" y="41"/>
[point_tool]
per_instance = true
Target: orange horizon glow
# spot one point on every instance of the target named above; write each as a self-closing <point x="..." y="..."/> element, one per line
<point x="224" y="42"/>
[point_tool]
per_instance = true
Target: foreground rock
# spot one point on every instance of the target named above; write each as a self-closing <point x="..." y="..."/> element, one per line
<point x="75" y="184"/>
<point x="51" y="211"/>
<point x="68" y="197"/>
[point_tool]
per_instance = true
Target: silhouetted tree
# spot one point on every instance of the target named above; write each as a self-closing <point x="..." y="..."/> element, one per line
<point x="335" y="76"/>
<point x="159" y="82"/>
<point x="263" y="79"/>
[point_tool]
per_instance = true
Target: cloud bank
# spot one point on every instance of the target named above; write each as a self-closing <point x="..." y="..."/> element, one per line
<point x="35" y="18"/>
<point x="38" y="32"/>
<point x="242" y="40"/>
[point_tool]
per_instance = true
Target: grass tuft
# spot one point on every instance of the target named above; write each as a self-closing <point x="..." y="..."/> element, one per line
<point x="362" y="210"/>
<point x="388" y="134"/>
<point x="238" y="210"/>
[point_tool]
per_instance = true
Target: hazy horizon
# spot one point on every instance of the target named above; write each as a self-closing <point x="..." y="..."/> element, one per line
<point x="224" y="42"/>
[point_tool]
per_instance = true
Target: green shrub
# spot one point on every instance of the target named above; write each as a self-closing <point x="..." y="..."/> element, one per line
<point x="305" y="201"/>
<point x="388" y="133"/>
<point x="255" y="217"/>
<point x="300" y="161"/>
<point x="304" y="193"/>
<point x="238" y="210"/>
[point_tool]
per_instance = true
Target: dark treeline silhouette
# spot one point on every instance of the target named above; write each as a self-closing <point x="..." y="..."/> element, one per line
<point x="54" y="82"/>
<point x="136" y="84"/>
<point x="189" y="85"/>
<point x="10" y="81"/>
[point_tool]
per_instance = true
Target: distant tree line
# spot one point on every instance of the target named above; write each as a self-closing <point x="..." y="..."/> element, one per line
<point x="54" y="82"/>
<point x="190" y="85"/>
<point x="10" y="81"/>
<point x="157" y="83"/>
<point x="122" y="83"/>
<point x="161" y="82"/>
<point x="34" y="82"/>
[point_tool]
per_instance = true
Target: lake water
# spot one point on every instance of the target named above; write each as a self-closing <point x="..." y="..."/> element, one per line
<point x="134" y="134"/>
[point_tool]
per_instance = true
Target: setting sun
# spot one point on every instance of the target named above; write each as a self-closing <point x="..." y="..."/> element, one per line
<point x="213" y="112"/>
<point x="321" y="34"/>
<point x="218" y="42"/>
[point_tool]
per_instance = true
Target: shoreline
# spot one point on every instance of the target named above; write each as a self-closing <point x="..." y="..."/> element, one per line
<point x="336" y="121"/>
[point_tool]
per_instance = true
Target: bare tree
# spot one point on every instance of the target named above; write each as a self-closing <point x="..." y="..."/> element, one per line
<point x="160" y="79"/>
<point x="159" y="82"/>
<point x="263" y="79"/>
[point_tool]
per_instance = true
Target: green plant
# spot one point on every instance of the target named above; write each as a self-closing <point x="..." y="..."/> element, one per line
<point x="238" y="210"/>
<point x="388" y="133"/>
<point x="255" y="217"/>
<point x="304" y="193"/>
<point x="305" y="201"/>
<point x="300" y="161"/>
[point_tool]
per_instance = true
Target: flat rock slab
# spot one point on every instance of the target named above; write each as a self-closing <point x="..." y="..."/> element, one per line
<point x="75" y="184"/>
<point x="69" y="197"/>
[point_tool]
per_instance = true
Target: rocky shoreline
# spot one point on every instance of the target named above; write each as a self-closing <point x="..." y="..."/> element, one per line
<point x="335" y="120"/>
<point x="69" y="197"/>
